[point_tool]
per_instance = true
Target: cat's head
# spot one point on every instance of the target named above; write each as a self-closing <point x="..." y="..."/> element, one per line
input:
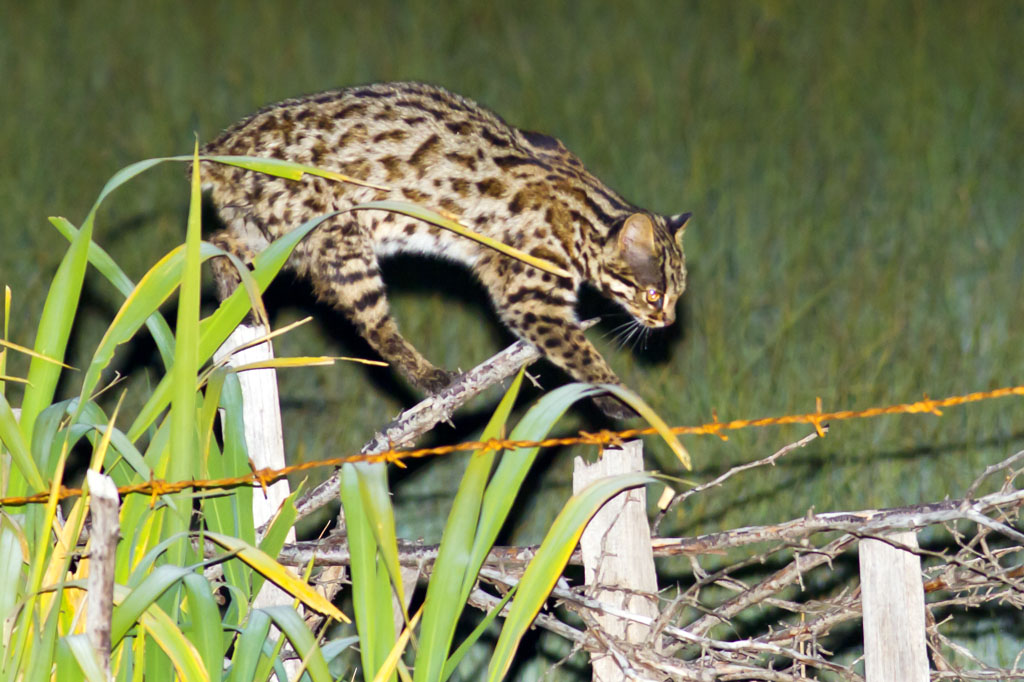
<point x="645" y="268"/>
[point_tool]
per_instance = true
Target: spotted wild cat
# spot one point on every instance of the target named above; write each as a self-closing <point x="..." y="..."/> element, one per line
<point x="443" y="151"/>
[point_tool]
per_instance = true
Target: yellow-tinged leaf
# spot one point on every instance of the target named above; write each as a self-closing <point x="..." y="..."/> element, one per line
<point x="250" y="286"/>
<point x="169" y="637"/>
<point x="284" y="363"/>
<point x="29" y="351"/>
<point x="282" y="576"/>
<point x="395" y="655"/>
<point x="287" y="169"/>
<point x="316" y="361"/>
<point x="361" y="361"/>
<point x="3" y="353"/>
<point x="4" y="377"/>
<point x="645" y="411"/>
<point x="447" y="223"/>
<point x="269" y="335"/>
<point x="547" y="565"/>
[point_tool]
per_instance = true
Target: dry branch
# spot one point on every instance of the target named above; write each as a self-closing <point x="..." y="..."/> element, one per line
<point x="743" y="622"/>
<point x="428" y="413"/>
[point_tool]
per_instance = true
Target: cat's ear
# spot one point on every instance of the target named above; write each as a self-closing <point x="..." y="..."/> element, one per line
<point x="677" y="224"/>
<point x="636" y="238"/>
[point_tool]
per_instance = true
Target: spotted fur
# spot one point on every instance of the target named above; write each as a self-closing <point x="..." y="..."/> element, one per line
<point x="443" y="151"/>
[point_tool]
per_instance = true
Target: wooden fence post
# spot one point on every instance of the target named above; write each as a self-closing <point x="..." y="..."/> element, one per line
<point x="618" y="560"/>
<point x="264" y="439"/>
<point x="892" y="597"/>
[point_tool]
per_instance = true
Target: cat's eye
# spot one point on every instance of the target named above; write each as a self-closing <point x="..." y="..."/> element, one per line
<point x="653" y="296"/>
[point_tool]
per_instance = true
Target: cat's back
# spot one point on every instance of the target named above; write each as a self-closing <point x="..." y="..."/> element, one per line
<point x="381" y="132"/>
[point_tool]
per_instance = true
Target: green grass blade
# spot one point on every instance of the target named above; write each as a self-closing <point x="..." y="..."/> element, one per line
<point x="644" y="410"/>
<point x="55" y="328"/>
<point x="442" y="608"/>
<point x="236" y="457"/>
<point x="269" y="568"/>
<point x="373" y="488"/>
<point x="371" y="589"/>
<point x="216" y="328"/>
<point x="302" y="640"/>
<point x="101" y="260"/>
<point x="333" y="648"/>
<point x="286" y="169"/>
<point x="277" y="532"/>
<point x="183" y="654"/>
<point x="122" y="176"/>
<point x="435" y="218"/>
<point x="230" y="513"/>
<point x="453" y="661"/>
<point x="66" y="663"/>
<point x="514" y="467"/>
<point x="129" y="609"/>
<point x="142" y="303"/>
<point x="184" y="461"/>
<point x="85" y="656"/>
<point x="249" y="646"/>
<point x="12" y="538"/>
<point x="14" y="440"/>
<point x="46" y="436"/>
<point x="549" y="562"/>
<point x="207" y="634"/>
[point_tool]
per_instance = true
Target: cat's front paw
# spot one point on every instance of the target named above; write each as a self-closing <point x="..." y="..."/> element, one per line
<point x="436" y="380"/>
<point x="613" y="407"/>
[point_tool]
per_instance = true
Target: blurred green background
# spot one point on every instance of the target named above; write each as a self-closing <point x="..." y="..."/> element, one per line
<point x="854" y="169"/>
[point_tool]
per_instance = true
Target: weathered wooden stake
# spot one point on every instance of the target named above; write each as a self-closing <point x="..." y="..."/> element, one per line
<point x="264" y="438"/>
<point x="892" y="597"/>
<point x="617" y="558"/>
<point x="261" y="412"/>
<point x="104" y="507"/>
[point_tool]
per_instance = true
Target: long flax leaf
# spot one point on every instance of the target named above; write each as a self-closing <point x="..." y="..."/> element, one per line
<point x="302" y="640"/>
<point x="280" y="575"/>
<point x="373" y="488"/>
<point x="155" y="287"/>
<point x="172" y="641"/>
<point x="547" y="565"/>
<point x="54" y="328"/>
<point x="27" y="619"/>
<point x="514" y="467"/>
<point x="277" y="533"/>
<point x="85" y="657"/>
<point x="654" y="419"/>
<point x="394" y="658"/>
<point x="442" y="608"/>
<point x="215" y="329"/>
<point x="130" y="604"/>
<point x="371" y="588"/>
<point x="101" y="260"/>
<point x="31" y="353"/>
<point x="204" y="613"/>
<point x="13" y="440"/>
<point x="7" y="324"/>
<point x="453" y="661"/>
<point x="435" y="218"/>
<point x="287" y="169"/>
<point x="183" y="452"/>
<point x="249" y="646"/>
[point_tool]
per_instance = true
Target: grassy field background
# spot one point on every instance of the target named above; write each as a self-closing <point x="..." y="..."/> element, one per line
<point x="854" y="169"/>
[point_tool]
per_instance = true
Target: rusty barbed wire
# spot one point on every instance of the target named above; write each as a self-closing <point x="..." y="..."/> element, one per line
<point x="156" y="488"/>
